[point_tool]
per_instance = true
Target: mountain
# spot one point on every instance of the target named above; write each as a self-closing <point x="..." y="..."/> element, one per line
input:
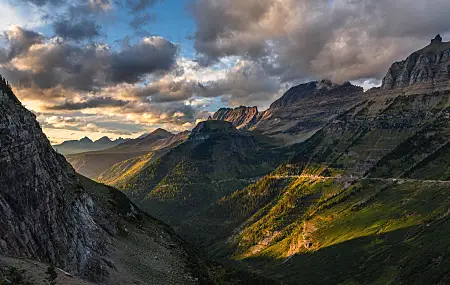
<point x="299" y="113"/>
<point x="363" y="201"/>
<point x="213" y="162"/>
<point x="68" y="225"/>
<point x="120" y="172"/>
<point x="94" y="164"/>
<point x="86" y="144"/>
<point x="51" y="215"/>
<point x="362" y="198"/>
<point x="241" y="117"/>
<point x="423" y="70"/>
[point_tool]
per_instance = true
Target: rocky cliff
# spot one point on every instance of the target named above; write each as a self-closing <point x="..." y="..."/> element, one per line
<point x="241" y="117"/>
<point x="299" y="113"/>
<point x="45" y="213"/>
<point x="426" y="69"/>
<point x="52" y="215"/>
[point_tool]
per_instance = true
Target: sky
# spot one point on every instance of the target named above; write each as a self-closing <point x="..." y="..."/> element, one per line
<point x="122" y="68"/>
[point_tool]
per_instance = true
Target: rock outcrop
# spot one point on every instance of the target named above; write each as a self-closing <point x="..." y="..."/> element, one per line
<point x="425" y="70"/>
<point x="241" y="117"/>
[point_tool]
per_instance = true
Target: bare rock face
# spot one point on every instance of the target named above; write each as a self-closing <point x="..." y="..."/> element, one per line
<point x="426" y="69"/>
<point x="54" y="216"/>
<point x="45" y="214"/>
<point x="241" y="117"/>
<point x="299" y="113"/>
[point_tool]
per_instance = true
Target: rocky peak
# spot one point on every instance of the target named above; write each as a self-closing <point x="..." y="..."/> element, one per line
<point x="315" y="88"/>
<point x="426" y="69"/>
<point x="437" y="40"/>
<point x="241" y="117"/>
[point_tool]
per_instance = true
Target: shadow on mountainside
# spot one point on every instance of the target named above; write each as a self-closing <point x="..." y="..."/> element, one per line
<point x="414" y="255"/>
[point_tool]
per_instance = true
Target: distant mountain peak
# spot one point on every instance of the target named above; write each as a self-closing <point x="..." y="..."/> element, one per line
<point x="86" y="140"/>
<point x="160" y="132"/>
<point x="104" y="139"/>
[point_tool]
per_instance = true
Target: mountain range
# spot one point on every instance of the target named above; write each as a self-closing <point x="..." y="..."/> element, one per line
<point x="58" y="227"/>
<point x="330" y="185"/>
<point x="86" y="144"/>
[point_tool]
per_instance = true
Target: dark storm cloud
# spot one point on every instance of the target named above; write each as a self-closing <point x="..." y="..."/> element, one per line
<point x="92" y="103"/>
<point x="150" y="55"/>
<point x="341" y="39"/>
<point x="246" y="84"/>
<point x="89" y="67"/>
<point x="85" y="29"/>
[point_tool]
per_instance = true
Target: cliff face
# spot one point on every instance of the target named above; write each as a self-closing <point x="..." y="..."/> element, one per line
<point x="306" y="108"/>
<point x="241" y="117"/>
<point x="50" y="214"/>
<point x="299" y="113"/>
<point x="44" y="213"/>
<point x="428" y="68"/>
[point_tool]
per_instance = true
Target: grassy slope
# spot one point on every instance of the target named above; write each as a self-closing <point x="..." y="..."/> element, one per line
<point x="344" y="229"/>
<point x="135" y="247"/>
<point x="177" y="187"/>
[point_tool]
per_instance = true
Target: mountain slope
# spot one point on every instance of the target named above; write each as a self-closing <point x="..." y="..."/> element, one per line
<point x="215" y="160"/>
<point x="364" y="200"/>
<point x="154" y="145"/>
<point x="52" y="215"/>
<point x="299" y="113"/>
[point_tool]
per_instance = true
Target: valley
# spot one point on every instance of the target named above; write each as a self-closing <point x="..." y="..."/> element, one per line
<point x="330" y="185"/>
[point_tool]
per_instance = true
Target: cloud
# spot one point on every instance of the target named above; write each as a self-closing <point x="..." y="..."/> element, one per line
<point x="139" y="5"/>
<point x="246" y="84"/>
<point x="150" y="55"/>
<point x="85" y="29"/>
<point x="91" y="103"/>
<point x="20" y="40"/>
<point x="85" y="67"/>
<point x="294" y="39"/>
<point x="78" y="124"/>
